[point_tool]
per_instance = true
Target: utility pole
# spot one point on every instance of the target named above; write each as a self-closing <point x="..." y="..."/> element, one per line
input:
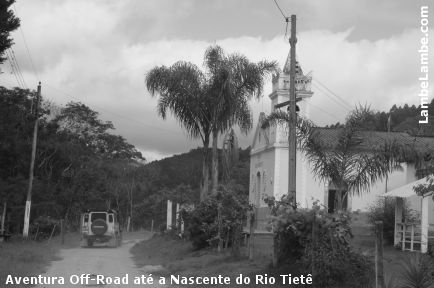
<point x="32" y="164"/>
<point x="292" y="141"/>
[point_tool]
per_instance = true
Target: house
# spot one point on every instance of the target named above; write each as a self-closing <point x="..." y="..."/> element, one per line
<point x="269" y="159"/>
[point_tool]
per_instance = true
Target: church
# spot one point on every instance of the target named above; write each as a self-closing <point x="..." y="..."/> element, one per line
<point x="269" y="158"/>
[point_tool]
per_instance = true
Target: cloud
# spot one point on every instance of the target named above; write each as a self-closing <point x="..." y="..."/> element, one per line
<point x="94" y="52"/>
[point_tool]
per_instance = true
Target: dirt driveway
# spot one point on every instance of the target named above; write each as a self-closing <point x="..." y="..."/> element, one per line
<point x="77" y="263"/>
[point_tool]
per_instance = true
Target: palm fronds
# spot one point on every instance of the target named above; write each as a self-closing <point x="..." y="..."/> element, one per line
<point x="345" y="160"/>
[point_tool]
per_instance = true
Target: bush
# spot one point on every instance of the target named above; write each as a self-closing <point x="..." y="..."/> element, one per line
<point x="416" y="271"/>
<point x="319" y="242"/>
<point x="202" y="223"/>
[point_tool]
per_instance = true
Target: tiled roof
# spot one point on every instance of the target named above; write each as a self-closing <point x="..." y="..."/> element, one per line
<point x="373" y="140"/>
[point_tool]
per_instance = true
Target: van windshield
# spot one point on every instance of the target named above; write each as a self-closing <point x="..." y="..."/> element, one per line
<point x="98" y="215"/>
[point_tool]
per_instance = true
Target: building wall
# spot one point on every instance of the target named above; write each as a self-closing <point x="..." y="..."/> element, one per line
<point x="415" y="203"/>
<point x="273" y="163"/>
<point x="396" y="179"/>
<point x="262" y="163"/>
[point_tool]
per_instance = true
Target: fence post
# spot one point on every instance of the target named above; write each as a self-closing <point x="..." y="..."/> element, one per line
<point x="62" y="231"/>
<point x="252" y="232"/>
<point x="379" y="276"/>
<point x="275" y="249"/>
<point x="3" y="219"/>
<point x="152" y="226"/>
<point x="313" y="243"/>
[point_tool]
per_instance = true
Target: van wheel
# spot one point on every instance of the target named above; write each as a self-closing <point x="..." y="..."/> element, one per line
<point x="89" y="243"/>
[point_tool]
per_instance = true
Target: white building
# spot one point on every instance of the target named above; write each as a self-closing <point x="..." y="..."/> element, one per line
<point x="269" y="158"/>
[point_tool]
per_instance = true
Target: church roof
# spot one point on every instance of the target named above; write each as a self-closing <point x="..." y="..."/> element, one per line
<point x="287" y="67"/>
<point x="373" y="140"/>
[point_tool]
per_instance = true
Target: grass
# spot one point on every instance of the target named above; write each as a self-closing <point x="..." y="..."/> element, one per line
<point x="25" y="257"/>
<point x="177" y="257"/>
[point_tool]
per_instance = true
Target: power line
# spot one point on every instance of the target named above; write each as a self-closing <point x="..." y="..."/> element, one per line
<point x="18" y="67"/>
<point x="285" y="17"/>
<point x="27" y="49"/>
<point x="13" y="69"/>
<point x="324" y="111"/>
<point x="341" y="104"/>
<point x="114" y="113"/>
<point x="283" y="14"/>
<point x="334" y="94"/>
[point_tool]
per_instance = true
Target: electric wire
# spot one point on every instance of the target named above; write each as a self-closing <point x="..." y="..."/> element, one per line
<point x="27" y="48"/>
<point x="324" y="111"/>
<point x="18" y="67"/>
<point x="283" y="14"/>
<point x="325" y="93"/>
<point x="13" y="69"/>
<point x="114" y="113"/>
<point x="334" y="94"/>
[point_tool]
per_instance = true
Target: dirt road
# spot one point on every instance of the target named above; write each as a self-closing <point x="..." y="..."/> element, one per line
<point x="80" y="266"/>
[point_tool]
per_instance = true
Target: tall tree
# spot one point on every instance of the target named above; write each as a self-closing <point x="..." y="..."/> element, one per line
<point x="8" y="23"/>
<point x="209" y="102"/>
<point x="182" y="88"/>
<point x="233" y="81"/>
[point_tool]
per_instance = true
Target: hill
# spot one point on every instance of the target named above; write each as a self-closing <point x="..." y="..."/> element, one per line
<point x="177" y="178"/>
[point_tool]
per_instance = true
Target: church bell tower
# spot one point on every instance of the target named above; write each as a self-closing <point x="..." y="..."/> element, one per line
<point x="269" y="154"/>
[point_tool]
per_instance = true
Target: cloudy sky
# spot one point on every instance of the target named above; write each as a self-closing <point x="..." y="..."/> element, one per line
<point x="98" y="51"/>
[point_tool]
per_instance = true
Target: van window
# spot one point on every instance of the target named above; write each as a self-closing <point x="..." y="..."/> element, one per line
<point x="98" y="215"/>
<point x="86" y="218"/>
<point x="111" y="218"/>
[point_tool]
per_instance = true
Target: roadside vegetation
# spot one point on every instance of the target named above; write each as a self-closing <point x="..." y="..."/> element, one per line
<point x="26" y="257"/>
<point x="171" y="255"/>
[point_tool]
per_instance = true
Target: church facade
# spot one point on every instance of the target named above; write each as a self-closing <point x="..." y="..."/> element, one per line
<point x="269" y="159"/>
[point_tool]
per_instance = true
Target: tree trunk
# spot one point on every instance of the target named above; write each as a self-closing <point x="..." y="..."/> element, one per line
<point x="215" y="163"/>
<point x="236" y="235"/>
<point x="219" y="228"/>
<point x="339" y="199"/>
<point x="205" y="170"/>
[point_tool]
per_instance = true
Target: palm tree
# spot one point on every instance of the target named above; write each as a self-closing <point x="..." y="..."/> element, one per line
<point x="347" y="163"/>
<point x="210" y="102"/>
<point x="233" y="81"/>
<point x="182" y="89"/>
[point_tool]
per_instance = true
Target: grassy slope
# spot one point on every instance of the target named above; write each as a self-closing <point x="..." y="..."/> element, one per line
<point x="20" y="257"/>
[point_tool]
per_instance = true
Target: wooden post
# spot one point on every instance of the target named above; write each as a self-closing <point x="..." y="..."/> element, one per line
<point x="3" y="219"/>
<point x="36" y="234"/>
<point x="399" y="203"/>
<point x="412" y="238"/>
<point x="252" y="232"/>
<point x="128" y="223"/>
<point x="424" y="224"/>
<point x="313" y="243"/>
<point x="275" y="250"/>
<point x="62" y="232"/>
<point x="32" y="164"/>
<point x="169" y="215"/>
<point x="292" y="142"/>
<point x="178" y="220"/>
<point x="52" y="232"/>
<point x="379" y="276"/>
<point x="404" y="226"/>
